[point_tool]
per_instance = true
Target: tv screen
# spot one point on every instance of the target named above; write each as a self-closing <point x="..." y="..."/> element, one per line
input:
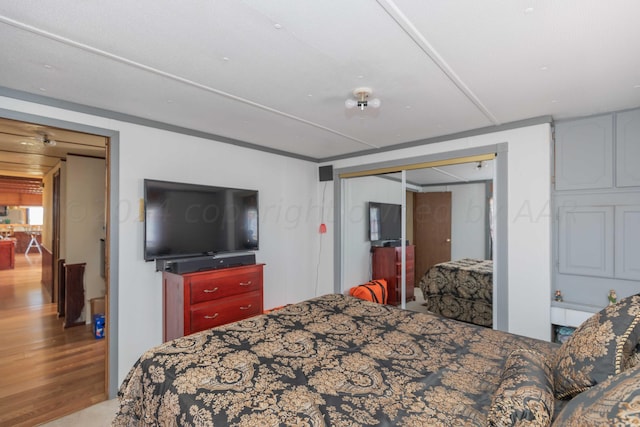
<point x="183" y="220"/>
<point x="385" y="222"/>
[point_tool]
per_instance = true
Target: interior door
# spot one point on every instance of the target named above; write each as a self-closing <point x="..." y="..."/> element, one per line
<point x="432" y="230"/>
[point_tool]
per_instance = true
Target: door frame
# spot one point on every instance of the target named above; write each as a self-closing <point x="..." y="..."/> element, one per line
<point x="112" y="152"/>
<point x="55" y="228"/>
<point x="500" y="271"/>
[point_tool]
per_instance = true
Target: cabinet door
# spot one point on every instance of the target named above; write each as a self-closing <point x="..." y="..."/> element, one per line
<point x="6" y="254"/>
<point x="628" y="242"/>
<point x="584" y="153"/>
<point x="586" y="240"/>
<point x="628" y="149"/>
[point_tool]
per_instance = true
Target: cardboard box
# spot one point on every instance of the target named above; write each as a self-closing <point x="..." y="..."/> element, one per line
<point x="97" y="306"/>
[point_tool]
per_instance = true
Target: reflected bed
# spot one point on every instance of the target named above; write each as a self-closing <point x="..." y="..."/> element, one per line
<point x="461" y="290"/>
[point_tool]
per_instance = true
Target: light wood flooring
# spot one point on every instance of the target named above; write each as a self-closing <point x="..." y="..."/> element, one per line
<point x="46" y="371"/>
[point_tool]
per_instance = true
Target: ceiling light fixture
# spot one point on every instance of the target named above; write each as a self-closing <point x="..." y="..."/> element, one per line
<point x="48" y="142"/>
<point x="362" y="99"/>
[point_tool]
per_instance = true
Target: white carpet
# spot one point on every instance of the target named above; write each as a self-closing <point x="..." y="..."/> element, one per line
<point x="417" y="304"/>
<point x="99" y="415"/>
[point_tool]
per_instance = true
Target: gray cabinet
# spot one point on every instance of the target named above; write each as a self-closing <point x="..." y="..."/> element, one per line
<point x="586" y="240"/>
<point x="596" y="199"/>
<point x="584" y="153"/>
<point x="589" y="236"/>
<point x="627" y="242"/>
<point x="628" y="149"/>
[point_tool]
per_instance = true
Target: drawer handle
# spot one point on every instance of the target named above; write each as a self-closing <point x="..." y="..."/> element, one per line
<point x="247" y="307"/>
<point x="209" y="291"/>
<point x="211" y="317"/>
<point x="245" y="283"/>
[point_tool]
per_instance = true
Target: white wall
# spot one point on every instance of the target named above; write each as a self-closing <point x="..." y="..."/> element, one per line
<point x="47" y="206"/>
<point x="468" y="219"/>
<point x="85" y="222"/>
<point x="288" y="204"/>
<point x="287" y="223"/>
<point x="529" y="227"/>
<point x="357" y="193"/>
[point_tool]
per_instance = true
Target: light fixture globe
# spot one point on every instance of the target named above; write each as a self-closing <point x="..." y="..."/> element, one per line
<point x="48" y="142"/>
<point x="350" y="103"/>
<point x="362" y="99"/>
<point x="375" y="103"/>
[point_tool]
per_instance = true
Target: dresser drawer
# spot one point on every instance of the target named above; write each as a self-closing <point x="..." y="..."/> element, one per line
<point x="409" y="265"/>
<point x="226" y="310"/>
<point x="215" y="286"/>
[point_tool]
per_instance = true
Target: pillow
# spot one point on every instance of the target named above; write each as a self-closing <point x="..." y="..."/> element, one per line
<point x="603" y="346"/>
<point x="525" y="391"/>
<point x="614" y="402"/>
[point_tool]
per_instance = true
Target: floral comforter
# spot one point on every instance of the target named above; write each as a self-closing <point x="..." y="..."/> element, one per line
<point x="461" y="290"/>
<point x="330" y="361"/>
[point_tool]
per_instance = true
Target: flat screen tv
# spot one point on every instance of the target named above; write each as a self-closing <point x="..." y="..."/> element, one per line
<point x="385" y="221"/>
<point x="185" y="220"/>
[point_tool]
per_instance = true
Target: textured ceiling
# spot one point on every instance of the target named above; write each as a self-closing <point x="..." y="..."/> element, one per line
<point x="276" y="73"/>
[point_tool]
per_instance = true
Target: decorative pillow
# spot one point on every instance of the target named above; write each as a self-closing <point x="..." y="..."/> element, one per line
<point x="525" y="392"/>
<point x="603" y="346"/>
<point x="614" y="402"/>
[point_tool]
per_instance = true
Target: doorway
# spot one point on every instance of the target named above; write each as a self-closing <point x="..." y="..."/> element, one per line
<point x="32" y="155"/>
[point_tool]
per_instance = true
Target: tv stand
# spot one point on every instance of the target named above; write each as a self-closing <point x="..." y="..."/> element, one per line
<point x="193" y="302"/>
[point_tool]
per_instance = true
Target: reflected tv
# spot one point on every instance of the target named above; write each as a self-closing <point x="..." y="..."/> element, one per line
<point x="385" y="221"/>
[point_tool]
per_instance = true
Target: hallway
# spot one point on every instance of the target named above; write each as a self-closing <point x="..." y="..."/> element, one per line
<point x="45" y="371"/>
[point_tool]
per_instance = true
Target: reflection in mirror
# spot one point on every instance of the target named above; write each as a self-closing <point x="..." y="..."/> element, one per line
<point x="465" y="233"/>
<point x="357" y="194"/>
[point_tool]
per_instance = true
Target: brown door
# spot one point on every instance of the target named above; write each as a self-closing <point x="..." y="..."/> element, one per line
<point x="432" y="230"/>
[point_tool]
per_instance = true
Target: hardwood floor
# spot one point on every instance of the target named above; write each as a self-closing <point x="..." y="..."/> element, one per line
<point x="46" y="372"/>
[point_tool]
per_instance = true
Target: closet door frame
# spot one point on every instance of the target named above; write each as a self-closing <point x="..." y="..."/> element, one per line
<point x="499" y="152"/>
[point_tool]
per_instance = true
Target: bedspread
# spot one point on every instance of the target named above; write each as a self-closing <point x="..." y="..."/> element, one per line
<point x="333" y="360"/>
<point x="461" y="290"/>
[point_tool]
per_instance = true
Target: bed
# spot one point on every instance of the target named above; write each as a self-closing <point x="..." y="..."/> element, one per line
<point x="339" y="361"/>
<point x="461" y="290"/>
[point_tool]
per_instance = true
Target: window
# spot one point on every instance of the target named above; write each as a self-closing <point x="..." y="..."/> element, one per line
<point x="35" y="215"/>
